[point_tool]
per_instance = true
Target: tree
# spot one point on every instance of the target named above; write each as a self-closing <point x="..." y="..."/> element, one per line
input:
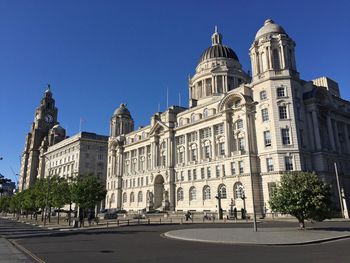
<point x="303" y="196"/>
<point x="59" y="193"/>
<point x="5" y="203"/>
<point x="87" y="191"/>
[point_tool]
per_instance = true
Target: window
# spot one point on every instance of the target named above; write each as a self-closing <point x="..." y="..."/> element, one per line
<point x="271" y="188"/>
<point x="283" y="112"/>
<point x="125" y="198"/>
<point x="240" y="124"/>
<point x="275" y="59"/>
<point x="238" y="190"/>
<point x="189" y="177"/>
<point x="263" y="95"/>
<point x="281" y="92"/>
<point x="267" y="138"/>
<point x="193" y="118"/>
<point x="180" y="140"/>
<point x="100" y="157"/>
<point x="194" y="171"/>
<point x="206" y="193"/>
<point x="265" y="115"/>
<point x="208" y="172"/>
<point x="221" y="148"/>
<point x="233" y="168"/>
<point x="202" y="173"/>
<point x="132" y="197"/>
<point x="205" y="133"/>
<point x="205" y="113"/>
<point x="241" y="167"/>
<point x="219" y="129"/>
<point x="193" y="154"/>
<point x="191" y="137"/>
<point x="207" y="151"/>
<point x="223" y="170"/>
<point x="237" y="103"/>
<point x="217" y="170"/>
<point x="180" y="194"/>
<point x="269" y="164"/>
<point x="182" y="177"/>
<point x="241" y="144"/>
<point x="192" y="193"/>
<point x="222" y="192"/>
<point x="288" y="161"/>
<point x="139" y="197"/>
<point x="181" y="157"/>
<point x="285" y="136"/>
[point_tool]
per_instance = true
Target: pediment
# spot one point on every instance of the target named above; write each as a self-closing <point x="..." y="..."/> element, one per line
<point x="158" y="128"/>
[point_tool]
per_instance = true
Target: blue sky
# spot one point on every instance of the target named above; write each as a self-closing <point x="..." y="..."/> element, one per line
<point x="97" y="54"/>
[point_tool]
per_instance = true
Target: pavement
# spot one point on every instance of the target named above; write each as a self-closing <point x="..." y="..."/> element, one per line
<point x="264" y="236"/>
<point x="10" y="253"/>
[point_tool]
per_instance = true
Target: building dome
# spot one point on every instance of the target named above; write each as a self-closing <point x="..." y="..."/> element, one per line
<point x="122" y="111"/>
<point x="217" y="50"/>
<point x="57" y="129"/>
<point x="270" y="27"/>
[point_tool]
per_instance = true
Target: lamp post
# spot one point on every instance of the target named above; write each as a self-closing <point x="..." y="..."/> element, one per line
<point x="250" y="168"/>
<point x="48" y="190"/>
<point x="339" y="191"/>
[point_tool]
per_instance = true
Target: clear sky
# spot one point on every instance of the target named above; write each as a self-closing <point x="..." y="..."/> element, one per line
<point x="97" y="54"/>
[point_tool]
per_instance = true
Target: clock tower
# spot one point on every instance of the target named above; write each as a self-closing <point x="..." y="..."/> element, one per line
<point x="45" y="118"/>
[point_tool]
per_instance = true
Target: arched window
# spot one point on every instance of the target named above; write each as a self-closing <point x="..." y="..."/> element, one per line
<point x="125" y="198"/>
<point x="222" y="191"/>
<point x="276" y="59"/>
<point x="132" y="197"/>
<point x="205" y="113"/>
<point x="206" y="192"/>
<point x="139" y="197"/>
<point x="181" y="122"/>
<point x="180" y="194"/>
<point x="237" y="190"/>
<point x="193" y="193"/>
<point x="240" y="124"/>
<point x="193" y="117"/>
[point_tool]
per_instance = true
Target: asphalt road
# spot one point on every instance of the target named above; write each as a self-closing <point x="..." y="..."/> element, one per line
<point x="145" y="244"/>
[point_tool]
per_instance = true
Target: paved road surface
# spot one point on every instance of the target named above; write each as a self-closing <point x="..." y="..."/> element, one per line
<point x="145" y="244"/>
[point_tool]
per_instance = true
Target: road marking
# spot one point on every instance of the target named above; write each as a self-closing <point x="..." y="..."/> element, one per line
<point x="26" y="251"/>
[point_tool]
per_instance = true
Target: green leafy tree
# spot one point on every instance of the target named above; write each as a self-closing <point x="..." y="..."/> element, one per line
<point x="5" y="203"/>
<point x="59" y="193"/>
<point x="16" y="203"/>
<point x="303" y="196"/>
<point x="29" y="201"/>
<point x="87" y="191"/>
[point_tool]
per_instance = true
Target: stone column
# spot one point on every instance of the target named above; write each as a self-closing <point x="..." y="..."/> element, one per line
<point x="346" y="133"/>
<point x="283" y="57"/>
<point x="316" y="130"/>
<point x="330" y="132"/>
<point x="337" y="137"/>
<point x="228" y="134"/>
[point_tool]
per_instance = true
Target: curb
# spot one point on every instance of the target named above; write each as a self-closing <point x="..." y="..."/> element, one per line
<point x="25" y="251"/>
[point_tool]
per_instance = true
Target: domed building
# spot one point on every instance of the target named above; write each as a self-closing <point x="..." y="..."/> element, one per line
<point x="239" y="134"/>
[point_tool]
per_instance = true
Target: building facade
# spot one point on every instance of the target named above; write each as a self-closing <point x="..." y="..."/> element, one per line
<point x="239" y="132"/>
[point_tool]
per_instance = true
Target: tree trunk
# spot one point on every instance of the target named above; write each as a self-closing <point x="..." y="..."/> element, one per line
<point x="301" y="224"/>
<point x="58" y="216"/>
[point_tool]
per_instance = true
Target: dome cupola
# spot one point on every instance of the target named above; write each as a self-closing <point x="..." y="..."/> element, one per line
<point x="122" y="111"/>
<point x="269" y="27"/>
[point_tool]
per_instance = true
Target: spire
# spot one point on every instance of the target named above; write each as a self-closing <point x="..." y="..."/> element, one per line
<point x="48" y="90"/>
<point x="216" y="38"/>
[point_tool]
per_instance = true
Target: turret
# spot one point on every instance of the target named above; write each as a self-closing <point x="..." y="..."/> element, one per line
<point x="121" y="121"/>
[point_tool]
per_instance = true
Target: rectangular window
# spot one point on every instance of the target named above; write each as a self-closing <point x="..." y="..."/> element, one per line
<point x="180" y="140"/>
<point x="221" y="148"/>
<point x="271" y="188"/>
<point x="194" y="174"/>
<point x="281" y="92"/>
<point x="285" y="136"/>
<point x="241" y="144"/>
<point x="205" y="133"/>
<point x="207" y="151"/>
<point x="193" y="154"/>
<point x="267" y="138"/>
<point x="233" y="168"/>
<point x="208" y="172"/>
<point x="269" y="164"/>
<point x="182" y="177"/>
<point x="263" y="95"/>
<point x="219" y="129"/>
<point x="202" y="173"/>
<point x="283" y="112"/>
<point x="241" y="167"/>
<point x="288" y="161"/>
<point x="189" y="177"/>
<point x="265" y="115"/>
<point x="240" y="124"/>
<point x="217" y="169"/>
<point x="181" y="157"/>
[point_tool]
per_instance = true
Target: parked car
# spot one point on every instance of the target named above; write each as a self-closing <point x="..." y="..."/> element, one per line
<point x="110" y="213"/>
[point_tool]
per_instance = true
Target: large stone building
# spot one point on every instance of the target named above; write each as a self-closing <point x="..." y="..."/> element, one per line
<point x="48" y="151"/>
<point x="239" y="131"/>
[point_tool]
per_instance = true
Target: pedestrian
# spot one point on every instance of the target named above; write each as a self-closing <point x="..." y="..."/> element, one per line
<point x="81" y="218"/>
<point x="90" y="217"/>
<point x="243" y="213"/>
<point x="187" y="215"/>
<point x="235" y="213"/>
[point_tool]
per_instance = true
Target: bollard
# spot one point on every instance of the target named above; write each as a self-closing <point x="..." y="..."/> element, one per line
<point x="181" y="221"/>
<point x="107" y="223"/>
<point x="171" y="220"/>
<point x="149" y="221"/>
<point x="138" y="221"/>
<point x="160" y="220"/>
<point x="117" y="222"/>
<point x="128" y="222"/>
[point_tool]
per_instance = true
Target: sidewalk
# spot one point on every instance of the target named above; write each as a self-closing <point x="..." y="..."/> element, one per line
<point x="264" y="236"/>
<point x="9" y="253"/>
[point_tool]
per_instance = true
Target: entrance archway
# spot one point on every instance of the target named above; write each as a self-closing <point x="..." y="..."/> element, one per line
<point x="158" y="191"/>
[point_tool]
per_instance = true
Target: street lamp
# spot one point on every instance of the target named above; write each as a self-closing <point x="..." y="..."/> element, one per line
<point x="250" y="167"/>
